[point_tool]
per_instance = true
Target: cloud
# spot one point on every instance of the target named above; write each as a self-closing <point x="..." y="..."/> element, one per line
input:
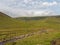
<point x="27" y="1"/>
<point x="49" y="3"/>
<point x="16" y="8"/>
<point x="29" y="4"/>
<point x="43" y="13"/>
<point x="30" y="13"/>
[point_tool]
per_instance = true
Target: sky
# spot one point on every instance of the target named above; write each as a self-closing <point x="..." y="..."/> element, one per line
<point x="19" y="8"/>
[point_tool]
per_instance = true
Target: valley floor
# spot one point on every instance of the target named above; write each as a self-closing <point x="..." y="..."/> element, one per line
<point x="40" y="37"/>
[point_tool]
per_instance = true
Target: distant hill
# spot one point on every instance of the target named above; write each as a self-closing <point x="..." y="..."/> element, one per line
<point x="8" y="22"/>
<point x="30" y="18"/>
<point x="36" y="18"/>
<point x="5" y="20"/>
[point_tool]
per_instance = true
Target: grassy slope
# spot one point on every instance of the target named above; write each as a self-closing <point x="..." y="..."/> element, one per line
<point x="40" y="39"/>
<point x="8" y="22"/>
<point x="10" y="27"/>
<point x="52" y="24"/>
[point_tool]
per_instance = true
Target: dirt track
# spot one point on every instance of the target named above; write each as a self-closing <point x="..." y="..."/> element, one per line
<point x="21" y="37"/>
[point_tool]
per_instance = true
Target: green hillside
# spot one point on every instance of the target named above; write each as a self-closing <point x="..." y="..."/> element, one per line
<point x="31" y="18"/>
<point x="26" y="22"/>
<point x="14" y="27"/>
<point x="8" y="22"/>
<point x="11" y="27"/>
<point x="50" y="31"/>
<point x="5" y="21"/>
<point x="37" y="22"/>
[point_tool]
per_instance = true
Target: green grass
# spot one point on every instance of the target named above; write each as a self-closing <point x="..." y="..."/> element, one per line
<point x="42" y="39"/>
<point x="39" y="39"/>
<point x="11" y="27"/>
